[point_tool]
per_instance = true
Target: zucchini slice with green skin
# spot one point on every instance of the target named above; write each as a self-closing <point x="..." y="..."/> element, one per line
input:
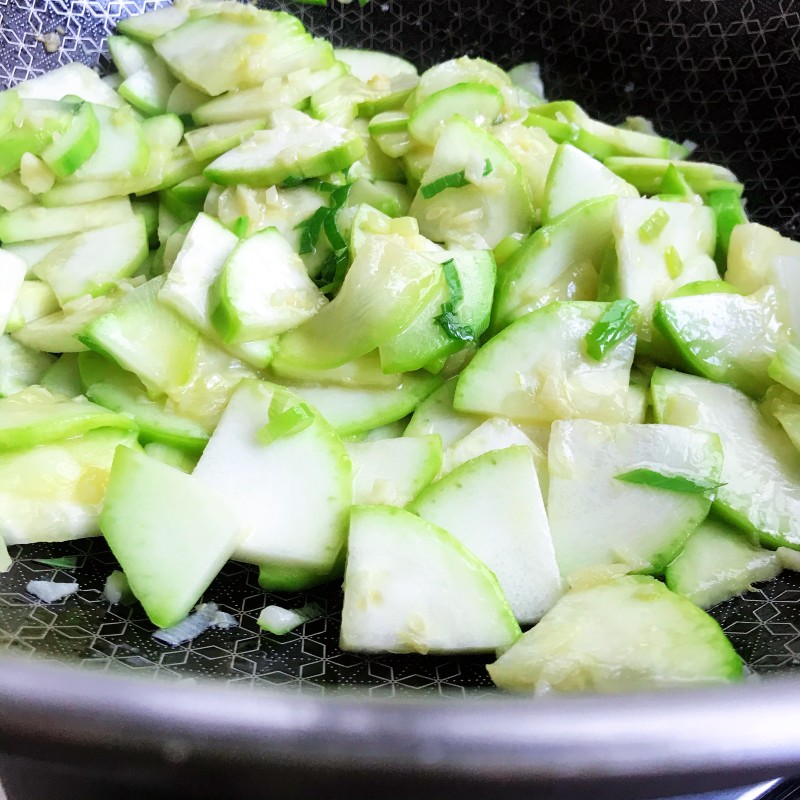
<point x="107" y="385"/>
<point x="424" y="340"/>
<point x="491" y="200"/>
<point x="728" y="338"/>
<point x="646" y="174"/>
<point x="413" y="588"/>
<point x="598" y="519"/>
<point x="354" y="410"/>
<point x="363" y="372"/>
<point x="146" y="28"/>
<point x="369" y="64"/>
<point x="169" y="531"/>
<point x="212" y="141"/>
<point x="20" y="366"/>
<point x="263" y="290"/>
<point x="499" y="492"/>
<point x="12" y="275"/>
<point x="384" y="290"/>
<point x="302" y="148"/>
<point x="436" y="414"/>
<point x="164" y="358"/>
<point x="35" y="416"/>
<point x="630" y="633"/>
<point x="460" y="70"/>
<point x="94" y="261"/>
<point x="73" y="148"/>
<point x="34" y="222"/>
<point x="63" y="377"/>
<point x="660" y="246"/>
<point x="575" y="177"/>
<point x="73" y="79"/>
<point x="13" y="194"/>
<point x="392" y="472"/>
<point x="761" y="468"/>
<point x="719" y="562"/>
<point x="54" y="492"/>
<point x="304" y="478"/>
<point x="753" y="254"/>
<point x="558" y="262"/>
<point x="479" y="103"/>
<point x="537" y="370"/>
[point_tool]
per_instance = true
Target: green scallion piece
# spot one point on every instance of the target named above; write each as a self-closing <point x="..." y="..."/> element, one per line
<point x="488" y="168"/>
<point x="673" y="261"/>
<point x="66" y="562"/>
<point x="616" y="325"/>
<point x="672" y="483"/>
<point x="455" y="180"/>
<point x="653" y="225"/>
<point x="448" y="320"/>
<point x="289" y="422"/>
<point x="241" y="226"/>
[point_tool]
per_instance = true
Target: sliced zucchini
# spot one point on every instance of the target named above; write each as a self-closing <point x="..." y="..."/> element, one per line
<point x="34" y="222"/>
<point x="647" y="174"/>
<point x="74" y="79"/>
<point x="94" y="261"/>
<point x="489" y="199"/>
<point x="557" y="262"/>
<point x="13" y="194"/>
<point x="296" y="148"/>
<point x="410" y="587"/>
<point x="725" y="337"/>
<point x="599" y="517"/>
<point x="54" y="492"/>
<point x="214" y="140"/>
<point x="164" y="358"/>
<point x="392" y="472"/>
<point x="499" y="492"/>
<point x="460" y="70"/>
<point x="63" y="377"/>
<point x="575" y="177"/>
<point x="146" y="28"/>
<point x="369" y="64"/>
<point x="761" y="470"/>
<point x="630" y="633"/>
<point x="717" y="563"/>
<point x="361" y="372"/>
<point x="436" y="414"/>
<point x="12" y="275"/>
<point x="20" y="366"/>
<point x="71" y="149"/>
<point x="303" y="477"/>
<point x="35" y="416"/>
<point x="170" y="533"/>
<point x="538" y="370"/>
<point x="263" y="290"/>
<point x="753" y="252"/>
<point x="353" y="410"/>
<point x="426" y="338"/>
<point x="386" y="287"/>
<point x="148" y="83"/>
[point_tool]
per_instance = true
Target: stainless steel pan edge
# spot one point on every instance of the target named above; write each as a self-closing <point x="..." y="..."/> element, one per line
<point x="625" y="745"/>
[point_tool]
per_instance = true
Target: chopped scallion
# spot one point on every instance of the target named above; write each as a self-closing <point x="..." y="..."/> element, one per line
<point x="488" y="168"/>
<point x="653" y="225"/>
<point x="455" y="180"/>
<point x="287" y="423"/>
<point x="613" y="327"/>
<point x="66" y="562"/>
<point x="673" y="483"/>
<point x="241" y="226"/>
<point x="673" y="261"/>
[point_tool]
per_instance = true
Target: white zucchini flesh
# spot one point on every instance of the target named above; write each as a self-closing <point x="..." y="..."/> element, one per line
<point x="436" y="414"/>
<point x="717" y="563"/>
<point x="93" y="261"/>
<point x="164" y="358"/>
<point x="263" y="290"/>
<point x="761" y="468"/>
<point x="170" y="533"/>
<point x="369" y="64"/>
<point x="410" y="587"/>
<point x="487" y="209"/>
<point x="537" y="370"/>
<point x="630" y="633"/>
<point x="304" y="479"/>
<point x="54" y="492"/>
<point x="392" y="472"/>
<point x="642" y="270"/>
<point x="575" y="177"/>
<point x="494" y="507"/>
<point x="72" y="79"/>
<point x="597" y="520"/>
<point x="12" y="275"/>
<point x="20" y="366"/>
<point x="753" y="251"/>
<point x="493" y="434"/>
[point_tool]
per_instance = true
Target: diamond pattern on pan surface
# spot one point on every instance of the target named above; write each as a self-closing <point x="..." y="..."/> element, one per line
<point x="726" y="75"/>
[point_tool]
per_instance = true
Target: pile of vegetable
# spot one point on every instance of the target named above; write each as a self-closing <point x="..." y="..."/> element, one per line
<point x="467" y="350"/>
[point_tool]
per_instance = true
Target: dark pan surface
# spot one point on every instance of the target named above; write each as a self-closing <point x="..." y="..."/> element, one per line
<point x="724" y="74"/>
